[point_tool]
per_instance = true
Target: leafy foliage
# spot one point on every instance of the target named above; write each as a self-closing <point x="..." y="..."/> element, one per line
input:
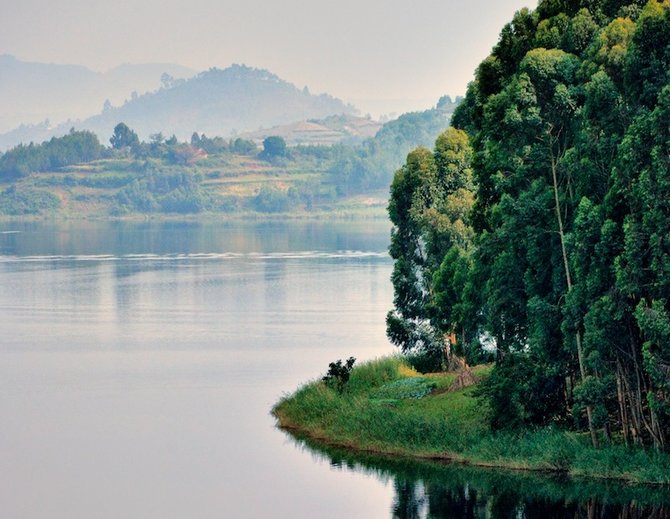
<point x="273" y="146"/>
<point x="156" y="191"/>
<point x="338" y="373"/>
<point x="27" y="202"/>
<point x="123" y="137"/>
<point x="568" y="269"/>
<point x="430" y="205"/>
<point x="371" y="164"/>
<point x="74" y="148"/>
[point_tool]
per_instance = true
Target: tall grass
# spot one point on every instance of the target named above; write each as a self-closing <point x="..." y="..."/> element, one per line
<point x="371" y="375"/>
<point x="375" y="412"/>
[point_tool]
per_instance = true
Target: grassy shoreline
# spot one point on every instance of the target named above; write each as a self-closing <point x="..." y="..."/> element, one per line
<point x="387" y="408"/>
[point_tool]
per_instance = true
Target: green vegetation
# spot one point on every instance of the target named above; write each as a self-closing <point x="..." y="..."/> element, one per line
<point x="432" y="245"/>
<point x="388" y="407"/>
<point x="273" y="147"/>
<point x="123" y="137"/>
<point x="338" y="373"/>
<point x="165" y="176"/>
<point x="370" y="165"/>
<point x="73" y="148"/>
<point x="27" y="202"/>
<point x="208" y="174"/>
<point x="537" y="231"/>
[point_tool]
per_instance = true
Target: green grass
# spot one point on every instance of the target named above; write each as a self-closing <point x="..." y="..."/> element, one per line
<point x="389" y="408"/>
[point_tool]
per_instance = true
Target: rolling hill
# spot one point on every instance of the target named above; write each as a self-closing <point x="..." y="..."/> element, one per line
<point x="31" y="93"/>
<point x="220" y="102"/>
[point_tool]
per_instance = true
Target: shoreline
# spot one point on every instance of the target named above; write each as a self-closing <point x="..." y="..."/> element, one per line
<point x="433" y="427"/>
<point x="445" y="458"/>
<point x="374" y="214"/>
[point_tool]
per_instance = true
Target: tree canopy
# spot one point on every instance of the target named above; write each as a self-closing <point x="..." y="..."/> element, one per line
<point x="124" y="138"/>
<point x="273" y="146"/>
<point x="73" y="148"/>
<point x="566" y="266"/>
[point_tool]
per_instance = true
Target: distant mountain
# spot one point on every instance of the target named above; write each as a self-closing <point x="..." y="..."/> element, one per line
<point x="31" y="93"/>
<point x="218" y="102"/>
<point x="215" y="102"/>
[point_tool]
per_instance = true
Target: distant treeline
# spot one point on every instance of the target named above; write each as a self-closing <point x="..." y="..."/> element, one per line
<point x="79" y="147"/>
<point x="353" y="168"/>
<point x="371" y="164"/>
<point x="74" y="148"/>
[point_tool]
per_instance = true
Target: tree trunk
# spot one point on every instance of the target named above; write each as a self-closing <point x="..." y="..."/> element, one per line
<point x="623" y="412"/>
<point x="568" y="278"/>
<point x="636" y="425"/>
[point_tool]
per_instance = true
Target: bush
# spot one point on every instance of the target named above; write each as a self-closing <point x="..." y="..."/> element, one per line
<point x="338" y="373"/>
<point x="273" y="200"/>
<point x="425" y="361"/>
<point x="184" y="200"/>
<point x="73" y="148"/>
<point x="273" y="146"/>
<point x="29" y="201"/>
<point x="163" y="191"/>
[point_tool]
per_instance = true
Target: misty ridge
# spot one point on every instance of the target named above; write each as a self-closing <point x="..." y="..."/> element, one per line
<point x="39" y="101"/>
<point x="237" y="140"/>
<point x="32" y="93"/>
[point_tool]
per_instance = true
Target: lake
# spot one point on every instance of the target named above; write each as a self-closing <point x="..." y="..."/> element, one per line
<point x="139" y="362"/>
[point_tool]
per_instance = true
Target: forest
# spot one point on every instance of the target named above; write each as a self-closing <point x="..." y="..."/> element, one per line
<point x="536" y="233"/>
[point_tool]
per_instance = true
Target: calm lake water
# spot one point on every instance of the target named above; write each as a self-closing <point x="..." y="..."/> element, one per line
<point x="139" y="362"/>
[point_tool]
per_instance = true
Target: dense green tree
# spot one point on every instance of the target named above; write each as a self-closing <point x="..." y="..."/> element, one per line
<point x="274" y="146"/>
<point x="372" y="163"/>
<point x="565" y="265"/>
<point x="242" y="146"/>
<point x="272" y="199"/>
<point x="124" y="138"/>
<point x="430" y="207"/>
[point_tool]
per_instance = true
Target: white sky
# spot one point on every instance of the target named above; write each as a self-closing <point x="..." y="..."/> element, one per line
<point x="378" y="54"/>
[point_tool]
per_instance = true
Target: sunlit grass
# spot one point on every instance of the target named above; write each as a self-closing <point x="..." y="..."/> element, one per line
<point x="388" y="407"/>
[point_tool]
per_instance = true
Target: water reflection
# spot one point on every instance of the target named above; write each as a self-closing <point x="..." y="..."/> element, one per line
<point x="139" y="361"/>
<point x="435" y="490"/>
<point x="119" y="238"/>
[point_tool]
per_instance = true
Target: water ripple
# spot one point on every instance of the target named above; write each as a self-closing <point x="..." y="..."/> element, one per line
<point x="303" y="255"/>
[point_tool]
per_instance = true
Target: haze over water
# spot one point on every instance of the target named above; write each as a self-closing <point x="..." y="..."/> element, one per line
<point x="139" y="364"/>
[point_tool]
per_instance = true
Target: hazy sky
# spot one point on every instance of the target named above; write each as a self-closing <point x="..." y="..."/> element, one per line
<point x="391" y="51"/>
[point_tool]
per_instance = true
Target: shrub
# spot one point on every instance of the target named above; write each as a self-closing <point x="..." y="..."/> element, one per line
<point x="338" y="373"/>
<point x="272" y="200"/>
<point x="29" y="201"/>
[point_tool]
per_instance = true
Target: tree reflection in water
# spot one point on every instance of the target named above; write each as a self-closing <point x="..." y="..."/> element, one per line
<point x="431" y="490"/>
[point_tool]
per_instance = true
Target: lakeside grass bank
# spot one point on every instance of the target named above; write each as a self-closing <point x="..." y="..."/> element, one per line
<point x="388" y="408"/>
